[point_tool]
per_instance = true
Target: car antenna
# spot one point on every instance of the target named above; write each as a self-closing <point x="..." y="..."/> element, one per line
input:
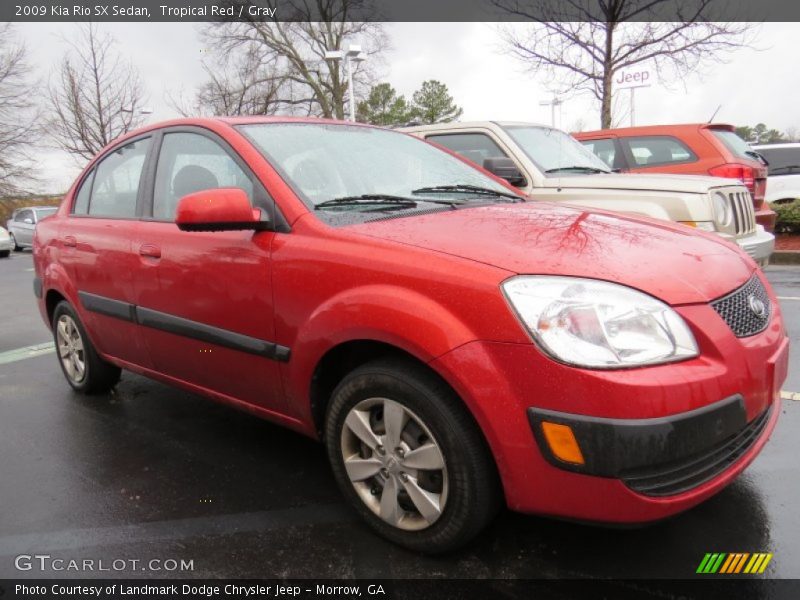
<point x="715" y="113"/>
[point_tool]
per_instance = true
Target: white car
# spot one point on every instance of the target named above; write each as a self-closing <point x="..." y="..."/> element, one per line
<point x="6" y="245"/>
<point x="783" y="182"/>
<point x="23" y="222"/>
<point x="549" y="164"/>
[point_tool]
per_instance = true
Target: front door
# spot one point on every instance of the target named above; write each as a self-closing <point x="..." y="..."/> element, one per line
<point x="204" y="299"/>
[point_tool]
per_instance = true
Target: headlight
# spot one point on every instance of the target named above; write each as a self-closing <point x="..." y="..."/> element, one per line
<point x="591" y="323"/>
<point x="723" y="214"/>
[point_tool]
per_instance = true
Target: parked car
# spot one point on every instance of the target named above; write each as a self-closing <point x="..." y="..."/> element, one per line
<point x="23" y="222"/>
<point x="6" y="245"/>
<point x="548" y="164"/>
<point x="694" y="149"/>
<point x="453" y="345"/>
<point x="784" y="171"/>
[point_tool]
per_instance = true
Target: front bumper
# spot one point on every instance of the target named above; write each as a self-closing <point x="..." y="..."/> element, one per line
<point x="500" y="382"/>
<point x="759" y="245"/>
<point x="6" y="244"/>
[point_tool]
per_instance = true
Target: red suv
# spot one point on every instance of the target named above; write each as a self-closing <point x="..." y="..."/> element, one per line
<point x="696" y="149"/>
<point x="454" y="346"/>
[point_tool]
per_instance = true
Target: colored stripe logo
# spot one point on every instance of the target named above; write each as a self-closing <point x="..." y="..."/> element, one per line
<point x="735" y="562"/>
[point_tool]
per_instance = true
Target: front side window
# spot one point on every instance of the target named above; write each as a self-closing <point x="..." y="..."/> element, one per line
<point x="22" y="215"/>
<point x="554" y="152"/>
<point x="475" y="147"/>
<point x="605" y="150"/>
<point x="116" y="181"/>
<point x="326" y="163"/>
<point x="189" y="163"/>
<point x="657" y="150"/>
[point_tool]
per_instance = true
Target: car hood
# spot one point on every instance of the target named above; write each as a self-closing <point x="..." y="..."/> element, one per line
<point x="693" y="184"/>
<point x="671" y="262"/>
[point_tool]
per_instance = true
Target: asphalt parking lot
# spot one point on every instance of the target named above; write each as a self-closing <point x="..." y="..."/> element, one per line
<point x="155" y="473"/>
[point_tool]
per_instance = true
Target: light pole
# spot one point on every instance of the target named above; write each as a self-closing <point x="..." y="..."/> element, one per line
<point x="352" y="55"/>
<point x="552" y="104"/>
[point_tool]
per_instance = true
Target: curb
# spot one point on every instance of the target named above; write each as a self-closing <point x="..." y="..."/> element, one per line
<point x="785" y="257"/>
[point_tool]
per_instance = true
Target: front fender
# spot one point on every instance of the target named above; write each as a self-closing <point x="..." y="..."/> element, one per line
<point x="393" y="315"/>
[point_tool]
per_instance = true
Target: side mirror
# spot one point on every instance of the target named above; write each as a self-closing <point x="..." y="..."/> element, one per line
<point x="505" y="168"/>
<point x="28" y="221"/>
<point x="221" y="209"/>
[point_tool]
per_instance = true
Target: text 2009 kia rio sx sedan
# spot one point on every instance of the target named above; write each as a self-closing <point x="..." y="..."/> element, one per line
<point x="451" y="344"/>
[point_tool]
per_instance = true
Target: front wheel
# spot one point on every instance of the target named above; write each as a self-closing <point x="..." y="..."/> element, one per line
<point x="5" y="253"/>
<point x="17" y="248"/>
<point x="85" y="371"/>
<point x="409" y="457"/>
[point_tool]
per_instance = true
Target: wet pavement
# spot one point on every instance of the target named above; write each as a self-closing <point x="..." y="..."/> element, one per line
<point x="154" y="473"/>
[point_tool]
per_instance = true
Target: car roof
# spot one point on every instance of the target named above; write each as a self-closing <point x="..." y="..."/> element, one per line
<point x="653" y="129"/>
<point x="471" y="124"/>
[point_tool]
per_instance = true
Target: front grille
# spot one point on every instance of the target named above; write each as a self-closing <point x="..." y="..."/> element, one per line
<point x="740" y="308"/>
<point x="744" y="214"/>
<point x="685" y="474"/>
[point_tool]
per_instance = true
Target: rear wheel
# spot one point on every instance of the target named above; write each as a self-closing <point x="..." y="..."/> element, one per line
<point x="84" y="369"/>
<point x="409" y="457"/>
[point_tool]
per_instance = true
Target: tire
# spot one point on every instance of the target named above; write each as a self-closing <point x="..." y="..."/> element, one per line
<point x="84" y="370"/>
<point x="17" y="248"/>
<point x="5" y="253"/>
<point x="459" y="499"/>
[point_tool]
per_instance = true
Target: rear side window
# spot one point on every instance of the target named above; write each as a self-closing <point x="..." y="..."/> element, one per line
<point x="605" y="150"/>
<point x="472" y="146"/>
<point x="782" y="161"/>
<point x="81" y="204"/>
<point x="657" y="150"/>
<point x="116" y="181"/>
<point x="188" y="163"/>
<point x="735" y="145"/>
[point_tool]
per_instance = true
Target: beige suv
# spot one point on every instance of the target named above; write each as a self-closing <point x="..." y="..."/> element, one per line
<point x="549" y="164"/>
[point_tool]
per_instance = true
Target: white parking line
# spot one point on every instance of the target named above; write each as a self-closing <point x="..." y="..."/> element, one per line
<point x="26" y="352"/>
<point x="787" y="395"/>
<point x="788" y="297"/>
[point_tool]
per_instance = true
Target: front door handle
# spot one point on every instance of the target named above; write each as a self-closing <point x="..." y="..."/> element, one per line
<point x="69" y="241"/>
<point x="150" y="250"/>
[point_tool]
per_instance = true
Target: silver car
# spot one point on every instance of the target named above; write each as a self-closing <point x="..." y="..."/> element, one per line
<point x="22" y="223"/>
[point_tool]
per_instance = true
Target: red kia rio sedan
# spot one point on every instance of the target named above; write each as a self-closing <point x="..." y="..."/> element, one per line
<point x="454" y="346"/>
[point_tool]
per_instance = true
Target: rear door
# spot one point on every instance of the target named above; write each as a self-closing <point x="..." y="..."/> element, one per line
<point x="95" y="241"/>
<point x="205" y="298"/>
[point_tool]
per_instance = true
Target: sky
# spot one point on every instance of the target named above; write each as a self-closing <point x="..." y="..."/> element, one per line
<point x="754" y="85"/>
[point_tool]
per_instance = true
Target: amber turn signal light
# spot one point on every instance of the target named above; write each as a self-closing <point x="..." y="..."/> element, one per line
<point x="562" y="442"/>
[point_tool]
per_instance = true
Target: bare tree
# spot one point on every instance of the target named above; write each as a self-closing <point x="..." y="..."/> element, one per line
<point x="583" y="44"/>
<point x="96" y="96"/>
<point x="296" y="48"/>
<point x="17" y="118"/>
<point x="241" y="84"/>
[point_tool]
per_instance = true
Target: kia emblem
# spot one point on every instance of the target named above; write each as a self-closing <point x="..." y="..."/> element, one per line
<point x="758" y="307"/>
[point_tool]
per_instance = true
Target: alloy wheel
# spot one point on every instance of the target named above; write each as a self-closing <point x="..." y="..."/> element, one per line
<point x="71" y="350"/>
<point x="394" y="463"/>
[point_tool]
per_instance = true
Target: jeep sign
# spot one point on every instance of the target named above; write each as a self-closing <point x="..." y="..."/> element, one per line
<point x="629" y="79"/>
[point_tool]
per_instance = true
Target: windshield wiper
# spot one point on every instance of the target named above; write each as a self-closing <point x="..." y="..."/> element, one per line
<point x="757" y="156"/>
<point x="465" y="189"/>
<point x="577" y="168"/>
<point x="382" y="201"/>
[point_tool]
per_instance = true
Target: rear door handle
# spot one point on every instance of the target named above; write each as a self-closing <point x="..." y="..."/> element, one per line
<point x="69" y="241"/>
<point x="150" y="251"/>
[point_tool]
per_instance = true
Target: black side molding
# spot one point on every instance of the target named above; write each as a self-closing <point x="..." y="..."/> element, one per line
<point x="612" y="447"/>
<point x="37" y="287"/>
<point x="185" y="327"/>
<point x="107" y="306"/>
<point x="212" y="335"/>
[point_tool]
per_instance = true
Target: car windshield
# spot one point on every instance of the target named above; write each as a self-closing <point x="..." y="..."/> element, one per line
<point x="736" y="145"/>
<point x="555" y="153"/>
<point x="354" y="169"/>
